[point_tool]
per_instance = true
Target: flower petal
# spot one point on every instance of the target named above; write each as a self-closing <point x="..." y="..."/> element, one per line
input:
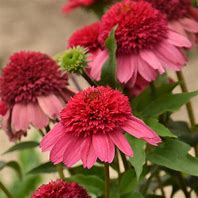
<point x="50" y="105"/>
<point x="104" y="147"/>
<point x="178" y="40"/>
<point x="88" y="155"/>
<point x="120" y="141"/>
<point x="97" y="63"/>
<point x="52" y="137"/>
<point x="189" y="24"/>
<point x="36" y="116"/>
<point x="139" y="129"/>
<point x="19" y="119"/>
<point x="72" y="152"/>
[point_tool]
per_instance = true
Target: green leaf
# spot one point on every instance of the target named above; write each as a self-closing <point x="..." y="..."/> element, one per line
<point x="173" y="154"/>
<point x="160" y="129"/>
<point x="167" y="103"/>
<point x="47" y="167"/>
<point x="92" y="184"/>
<point x="146" y="97"/>
<point x="138" y="160"/>
<point x="128" y="182"/>
<point x="108" y="76"/>
<point x="22" y="146"/>
<point x="12" y="164"/>
<point x="96" y="170"/>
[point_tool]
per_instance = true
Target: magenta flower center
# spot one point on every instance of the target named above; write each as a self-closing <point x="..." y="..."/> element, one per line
<point x="139" y="26"/>
<point x="29" y="75"/>
<point x="174" y="9"/>
<point x="95" y="110"/>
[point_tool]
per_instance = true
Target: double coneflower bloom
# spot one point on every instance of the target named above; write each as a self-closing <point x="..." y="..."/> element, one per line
<point x="32" y="91"/>
<point x="92" y="124"/>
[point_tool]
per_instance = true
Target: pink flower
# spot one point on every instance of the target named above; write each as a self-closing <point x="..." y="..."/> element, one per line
<point x="92" y="124"/>
<point x="146" y="46"/>
<point x="180" y="16"/>
<point x="73" y="4"/>
<point x="60" y="189"/>
<point x="34" y="91"/>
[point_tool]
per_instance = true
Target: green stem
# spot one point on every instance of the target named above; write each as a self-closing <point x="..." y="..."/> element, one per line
<point x="5" y="190"/>
<point x="184" y="89"/>
<point x="107" y="181"/>
<point x="88" y="79"/>
<point x="59" y="169"/>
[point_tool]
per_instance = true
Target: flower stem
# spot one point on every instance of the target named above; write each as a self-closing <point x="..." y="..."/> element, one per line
<point x="88" y="79"/>
<point x="59" y="169"/>
<point x="124" y="160"/>
<point x="184" y="89"/>
<point x="160" y="185"/>
<point x="107" y="180"/>
<point x="5" y="190"/>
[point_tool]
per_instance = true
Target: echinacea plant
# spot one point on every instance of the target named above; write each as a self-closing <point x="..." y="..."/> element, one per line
<point x="117" y="137"/>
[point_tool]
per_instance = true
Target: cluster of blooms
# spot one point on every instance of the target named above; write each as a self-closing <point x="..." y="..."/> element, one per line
<point x="151" y="37"/>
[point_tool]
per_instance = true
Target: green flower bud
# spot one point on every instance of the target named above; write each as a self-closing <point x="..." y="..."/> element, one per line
<point x="73" y="60"/>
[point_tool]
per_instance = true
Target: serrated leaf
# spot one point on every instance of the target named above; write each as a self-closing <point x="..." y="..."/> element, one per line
<point x="108" y="76"/>
<point x="12" y="164"/>
<point x="133" y="195"/>
<point x="167" y="103"/>
<point x="92" y="184"/>
<point x="173" y="154"/>
<point x="138" y="160"/>
<point x="22" y="146"/>
<point x="128" y="182"/>
<point x="47" y="167"/>
<point x="160" y="129"/>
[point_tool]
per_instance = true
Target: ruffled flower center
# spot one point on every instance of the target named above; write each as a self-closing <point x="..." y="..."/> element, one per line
<point x="95" y="110"/>
<point x="139" y="26"/>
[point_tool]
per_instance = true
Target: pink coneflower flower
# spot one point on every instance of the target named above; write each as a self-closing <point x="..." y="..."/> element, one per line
<point x="92" y="124"/>
<point x="34" y="90"/>
<point x="60" y="189"/>
<point x="180" y="15"/>
<point x="145" y="45"/>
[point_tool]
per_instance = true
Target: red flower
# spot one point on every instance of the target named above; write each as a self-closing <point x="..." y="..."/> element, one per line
<point x="60" y="189"/>
<point x="34" y="89"/>
<point x="92" y="124"/>
<point x="145" y="44"/>
<point x="86" y="37"/>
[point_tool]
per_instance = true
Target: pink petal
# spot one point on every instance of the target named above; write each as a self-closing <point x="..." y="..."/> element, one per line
<point x="178" y="40"/>
<point x="177" y="27"/>
<point x="50" y="105"/>
<point x="146" y="71"/>
<point x="104" y="147"/>
<point x="149" y="57"/>
<point x="97" y="63"/>
<point x="125" y="69"/>
<point x="57" y="152"/>
<point x="171" y="53"/>
<point x="88" y="155"/>
<point x="120" y="141"/>
<point x="139" y="129"/>
<point x="20" y="119"/>
<point x="72" y="152"/>
<point x="36" y="116"/>
<point x="52" y="137"/>
<point x="190" y="25"/>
